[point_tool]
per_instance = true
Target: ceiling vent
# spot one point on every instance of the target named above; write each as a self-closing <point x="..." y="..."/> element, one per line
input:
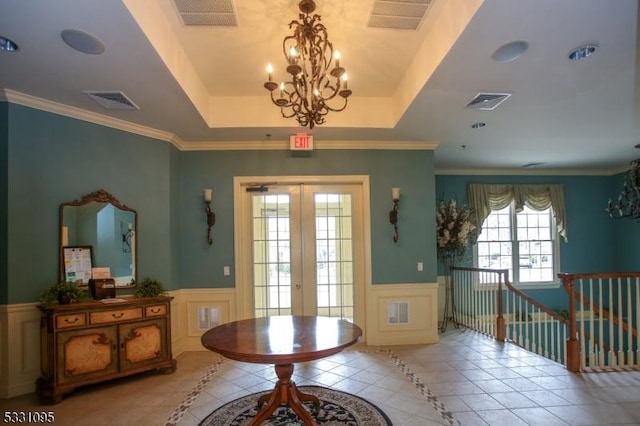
<point x="112" y="100"/>
<point x="206" y="13"/>
<point x="487" y="101"/>
<point x="398" y="14"/>
<point x="531" y="165"/>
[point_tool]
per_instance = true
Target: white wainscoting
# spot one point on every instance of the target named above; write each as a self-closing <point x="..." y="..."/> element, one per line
<point x="422" y="324"/>
<point x="185" y="325"/>
<point x="20" y="349"/>
<point x="20" y="326"/>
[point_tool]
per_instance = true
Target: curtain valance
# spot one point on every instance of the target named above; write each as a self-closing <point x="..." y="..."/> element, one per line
<point x="483" y="198"/>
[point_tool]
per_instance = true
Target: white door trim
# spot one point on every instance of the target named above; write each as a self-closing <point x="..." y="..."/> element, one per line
<point x="245" y="309"/>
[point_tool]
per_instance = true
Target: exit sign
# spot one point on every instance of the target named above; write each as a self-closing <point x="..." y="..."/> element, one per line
<point x="301" y="142"/>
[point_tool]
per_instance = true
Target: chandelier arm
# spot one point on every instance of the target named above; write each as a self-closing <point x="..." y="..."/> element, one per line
<point x="315" y="75"/>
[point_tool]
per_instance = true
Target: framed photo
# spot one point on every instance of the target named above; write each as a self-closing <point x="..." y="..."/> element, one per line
<point x="77" y="264"/>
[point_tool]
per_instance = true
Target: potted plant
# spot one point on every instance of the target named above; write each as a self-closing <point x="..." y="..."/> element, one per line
<point x="149" y="288"/>
<point x="64" y="292"/>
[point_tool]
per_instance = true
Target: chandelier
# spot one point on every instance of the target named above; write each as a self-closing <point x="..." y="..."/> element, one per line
<point x="318" y="84"/>
<point x="628" y="204"/>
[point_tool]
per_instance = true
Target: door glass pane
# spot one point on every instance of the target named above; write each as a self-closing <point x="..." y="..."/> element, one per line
<point x="271" y="254"/>
<point x="334" y="255"/>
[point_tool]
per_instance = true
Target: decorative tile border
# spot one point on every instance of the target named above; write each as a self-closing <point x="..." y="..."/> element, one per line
<point x="437" y="405"/>
<point x="424" y="391"/>
<point x="194" y="394"/>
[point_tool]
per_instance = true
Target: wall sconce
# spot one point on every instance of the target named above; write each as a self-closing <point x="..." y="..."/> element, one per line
<point x="393" y="214"/>
<point x="126" y="239"/>
<point x="211" y="216"/>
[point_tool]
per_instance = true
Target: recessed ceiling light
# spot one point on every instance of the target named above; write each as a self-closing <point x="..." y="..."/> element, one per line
<point x="8" y="45"/>
<point x="478" y="125"/>
<point x="510" y="51"/>
<point x="82" y="42"/>
<point x="582" y="52"/>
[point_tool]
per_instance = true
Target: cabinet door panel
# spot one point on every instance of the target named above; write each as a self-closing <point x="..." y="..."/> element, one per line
<point x="143" y="343"/>
<point x="86" y="353"/>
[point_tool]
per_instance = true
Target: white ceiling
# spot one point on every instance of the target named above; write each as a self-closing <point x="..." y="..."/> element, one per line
<point x="202" y="87"/>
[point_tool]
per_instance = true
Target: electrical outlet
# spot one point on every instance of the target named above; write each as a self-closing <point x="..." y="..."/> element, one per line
<point x="227" y="271"/>
<point x="420" y="266"/>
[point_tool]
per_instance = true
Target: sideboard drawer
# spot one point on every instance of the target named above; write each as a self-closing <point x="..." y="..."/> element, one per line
<point x="118" y="315"/>
<point x="71" y="320"/>
<point x="155" y="310"/>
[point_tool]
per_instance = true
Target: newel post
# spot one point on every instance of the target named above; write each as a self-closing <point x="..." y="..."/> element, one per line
<point x="501" y="329"/>
<point x="573" y="348"/>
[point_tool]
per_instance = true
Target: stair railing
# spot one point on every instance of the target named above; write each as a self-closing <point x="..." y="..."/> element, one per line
<point x="484" y="300"/>
<point x="604" y="314"/>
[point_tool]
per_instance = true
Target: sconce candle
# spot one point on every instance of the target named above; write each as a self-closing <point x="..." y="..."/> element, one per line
<point x="393" y="214"/>
<point x="395" y="194"/>
<point x="211" y="216"/>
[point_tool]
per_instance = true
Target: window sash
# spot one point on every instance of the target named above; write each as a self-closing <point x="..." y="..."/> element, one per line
<point x="501" y="235"/>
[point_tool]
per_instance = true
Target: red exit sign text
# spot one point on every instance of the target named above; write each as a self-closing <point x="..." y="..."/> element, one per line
<point x="301" y="142"/>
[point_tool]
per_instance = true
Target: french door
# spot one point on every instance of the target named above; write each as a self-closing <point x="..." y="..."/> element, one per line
<point x="303" y="249"/>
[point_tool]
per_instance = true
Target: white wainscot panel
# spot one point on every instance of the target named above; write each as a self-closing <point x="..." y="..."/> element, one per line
<point x="402" y="314"/>
<point x="20" y="356"/>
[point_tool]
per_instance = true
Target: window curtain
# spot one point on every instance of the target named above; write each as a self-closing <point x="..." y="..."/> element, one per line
<point x="483" y="198"/>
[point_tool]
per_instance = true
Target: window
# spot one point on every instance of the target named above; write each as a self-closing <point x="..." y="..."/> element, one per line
<point x="519" y="227"/>
<point x="525" y="243"/>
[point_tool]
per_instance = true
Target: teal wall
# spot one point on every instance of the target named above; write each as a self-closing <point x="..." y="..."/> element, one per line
<point x="55" y="159"/>
<point x="47" y="159"/>
<point x="625" y="233"/>
<point x="596" y="243"/>
<point x="202" y="265"/>
<point x="4" y="223"/>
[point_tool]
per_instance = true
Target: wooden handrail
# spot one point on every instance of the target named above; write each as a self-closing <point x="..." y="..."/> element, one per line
<point x="505" y="273"/>
<point x="565" y="276"/>
<point x="607" y="314"/>
<point x="537" y="304"/>
<point x="615" y="318"/>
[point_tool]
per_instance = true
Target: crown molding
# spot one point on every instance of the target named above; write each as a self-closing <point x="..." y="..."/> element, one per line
<point x="318" y="144"/>
<point x="8" y="95"/>
<point x="92" y="117"/>
<point x="103" y="120"/>
<point x="525" y="172"/>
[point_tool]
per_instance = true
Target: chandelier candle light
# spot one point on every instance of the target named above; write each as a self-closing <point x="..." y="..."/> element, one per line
<point x="318" y="83"/>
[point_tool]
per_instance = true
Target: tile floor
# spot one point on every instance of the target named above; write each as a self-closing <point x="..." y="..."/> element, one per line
<point x="466" y="379"/>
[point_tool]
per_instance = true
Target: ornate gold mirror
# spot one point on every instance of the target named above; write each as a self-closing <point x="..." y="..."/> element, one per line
<point x="98" y="231"/>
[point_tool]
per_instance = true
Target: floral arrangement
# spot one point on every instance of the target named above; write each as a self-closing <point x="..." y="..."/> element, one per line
<point x="453" y="230"/>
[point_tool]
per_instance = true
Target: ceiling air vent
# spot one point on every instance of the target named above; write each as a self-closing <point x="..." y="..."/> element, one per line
<point x="206" y="13"/>
<point x="398" y="14"/>
<point x="112" y="100"/>
<point x="531" y="165"/>
<point x="487" y="101"/>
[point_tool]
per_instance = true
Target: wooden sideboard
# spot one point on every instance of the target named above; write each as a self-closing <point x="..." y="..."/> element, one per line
<point x="91" y="342"/>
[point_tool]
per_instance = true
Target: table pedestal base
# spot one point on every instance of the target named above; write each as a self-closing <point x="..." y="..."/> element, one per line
<point x="285" y="392"/>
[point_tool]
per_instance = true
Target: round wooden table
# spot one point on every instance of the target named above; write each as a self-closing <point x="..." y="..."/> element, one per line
<point x="282" y="341"/>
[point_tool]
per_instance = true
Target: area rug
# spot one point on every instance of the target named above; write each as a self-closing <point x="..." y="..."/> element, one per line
<point x="336" y="408"/>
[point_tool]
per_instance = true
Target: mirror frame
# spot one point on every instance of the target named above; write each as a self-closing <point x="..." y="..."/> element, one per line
<point x="100" y="196"/>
